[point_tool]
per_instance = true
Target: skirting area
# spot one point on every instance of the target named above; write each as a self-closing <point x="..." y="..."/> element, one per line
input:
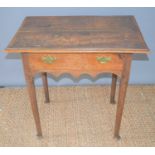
<point x="77" y="116"/>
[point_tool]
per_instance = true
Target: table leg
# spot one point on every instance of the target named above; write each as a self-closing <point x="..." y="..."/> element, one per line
<point x="32" y="94"/>
<point x="33" y="100"/>
<point x="113" y="88"/>
<point x="122" y="93"/>
<point x="45" y="85"/>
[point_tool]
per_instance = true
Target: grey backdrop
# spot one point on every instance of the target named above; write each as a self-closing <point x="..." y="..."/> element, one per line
<point x="11" y="71"/>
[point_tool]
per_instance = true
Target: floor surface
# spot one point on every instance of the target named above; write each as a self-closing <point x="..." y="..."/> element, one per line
<point x="77" y="116"/>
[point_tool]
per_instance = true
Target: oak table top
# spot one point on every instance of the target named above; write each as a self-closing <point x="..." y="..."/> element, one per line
<point x="75" y="34"/>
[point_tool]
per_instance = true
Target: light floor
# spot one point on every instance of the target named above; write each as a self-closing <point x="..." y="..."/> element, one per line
<point x="77" y="116"/>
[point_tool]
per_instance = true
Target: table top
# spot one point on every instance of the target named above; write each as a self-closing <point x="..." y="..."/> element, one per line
<point x="65" y="34"/>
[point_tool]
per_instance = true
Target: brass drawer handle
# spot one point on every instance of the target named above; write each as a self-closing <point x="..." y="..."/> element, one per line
<point x="103" y="60"/>
<point x="48" y="59"/>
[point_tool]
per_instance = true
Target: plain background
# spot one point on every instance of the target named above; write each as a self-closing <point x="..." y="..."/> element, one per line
<point x="11" y="70"/>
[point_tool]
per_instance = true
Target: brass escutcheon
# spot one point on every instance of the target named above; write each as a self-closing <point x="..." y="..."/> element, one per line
<point x="103" y="60"/>
<point x="48" y="59"/>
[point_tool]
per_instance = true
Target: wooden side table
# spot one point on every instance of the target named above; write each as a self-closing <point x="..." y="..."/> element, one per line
<point x="77" y="45"/>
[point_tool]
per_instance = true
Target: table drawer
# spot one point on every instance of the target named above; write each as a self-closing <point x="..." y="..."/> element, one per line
<point x="83" y="63"/>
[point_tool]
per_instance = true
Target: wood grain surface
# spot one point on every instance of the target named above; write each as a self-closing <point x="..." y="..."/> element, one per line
<point x="75" y="64"/>
<point x="68" y="34"/>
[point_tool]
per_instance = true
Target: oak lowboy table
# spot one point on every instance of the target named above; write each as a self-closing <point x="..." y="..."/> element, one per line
<point x="78" y="45"/>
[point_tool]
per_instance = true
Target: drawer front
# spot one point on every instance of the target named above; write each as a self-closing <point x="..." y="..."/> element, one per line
<point x="75" y="63"/>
